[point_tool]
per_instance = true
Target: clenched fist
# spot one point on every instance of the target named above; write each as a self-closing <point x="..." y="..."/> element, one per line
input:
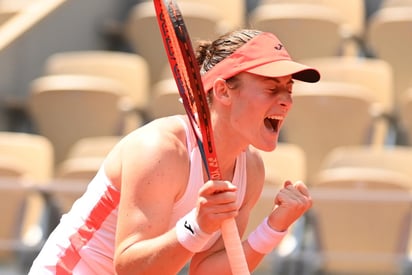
<point x="292" y="201"/>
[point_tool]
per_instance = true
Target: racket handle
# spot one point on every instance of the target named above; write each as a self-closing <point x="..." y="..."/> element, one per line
<point x="234" y="249"/>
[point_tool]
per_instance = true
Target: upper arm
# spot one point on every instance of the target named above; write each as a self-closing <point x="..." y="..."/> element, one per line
<point x="153" y="172"/>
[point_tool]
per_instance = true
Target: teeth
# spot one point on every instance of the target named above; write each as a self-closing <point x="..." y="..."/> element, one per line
<point x="276" y="117"/>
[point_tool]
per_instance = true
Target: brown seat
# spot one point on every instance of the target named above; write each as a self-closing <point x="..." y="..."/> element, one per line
<point x="143" y="34"/>
<point x="326" y="115"/>
<point x="26" y="161"/>
<point x="405" y="116"/>
<point x="352" y="13"/>
<point x="66" y="108"/>
<point x="129" y="69"/>
<point x="393" y="158"/>
<point x="361" y="220"/>
<point x="166" y="99"/>
<point x="301" y="24"/>
<point x="386" y="26"/>
<point x="373" y="73"/>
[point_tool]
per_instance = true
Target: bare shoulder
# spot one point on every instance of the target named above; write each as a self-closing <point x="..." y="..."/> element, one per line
<point x="255" y="175"/>
<point x="150" y="167"/>
<point x="159" y="146"/>
<point x="164" y="133"/>
<point x="255" y="164"/>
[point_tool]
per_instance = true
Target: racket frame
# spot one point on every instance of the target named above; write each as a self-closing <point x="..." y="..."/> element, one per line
<point x="186" y="73"/>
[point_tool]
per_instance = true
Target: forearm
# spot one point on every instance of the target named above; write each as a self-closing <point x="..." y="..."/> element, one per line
<point x="259" y="243"/>
<point x="218" y="264"/>
<point x="160" y="255"/>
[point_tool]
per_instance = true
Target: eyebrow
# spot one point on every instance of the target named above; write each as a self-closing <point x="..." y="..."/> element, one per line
<point x="275" y="79"/>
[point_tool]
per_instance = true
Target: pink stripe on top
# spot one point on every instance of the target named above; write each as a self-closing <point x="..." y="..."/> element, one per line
<point x="102" y="209"/>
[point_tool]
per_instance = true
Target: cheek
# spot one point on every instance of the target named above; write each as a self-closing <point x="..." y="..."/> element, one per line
<point x="290" y="104"/>
<point x="241" y="113"/>
<point x="245" y="105"/>
<point x="247" y="112"/>
<point x="249" y="104"/>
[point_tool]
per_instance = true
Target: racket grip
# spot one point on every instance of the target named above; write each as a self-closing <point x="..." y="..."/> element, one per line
<point x="234" y="249"/>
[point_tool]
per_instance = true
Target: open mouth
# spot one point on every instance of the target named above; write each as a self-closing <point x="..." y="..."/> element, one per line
<point x="273" y="123"/>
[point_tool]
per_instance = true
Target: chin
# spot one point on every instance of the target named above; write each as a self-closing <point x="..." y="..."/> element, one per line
<point x="267" y="147"/>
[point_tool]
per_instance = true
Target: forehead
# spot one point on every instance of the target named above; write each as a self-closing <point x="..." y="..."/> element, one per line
<point x="282" y="80"/>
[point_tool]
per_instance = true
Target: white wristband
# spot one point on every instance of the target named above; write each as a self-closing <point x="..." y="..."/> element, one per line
<point x="190" y="235"/>
<point x="264" y="239"/>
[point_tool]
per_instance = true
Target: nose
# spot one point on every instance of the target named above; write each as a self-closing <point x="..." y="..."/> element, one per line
<point x="285" y="100"/>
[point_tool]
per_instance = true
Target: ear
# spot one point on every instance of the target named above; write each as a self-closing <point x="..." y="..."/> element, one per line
<point x="220" y="91"/>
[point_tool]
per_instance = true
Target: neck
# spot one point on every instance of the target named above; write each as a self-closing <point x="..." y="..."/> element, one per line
<point x="228" y="147"/>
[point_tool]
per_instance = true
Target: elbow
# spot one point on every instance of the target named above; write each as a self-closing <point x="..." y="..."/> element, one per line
<point x="118" y="265"/>
<point x="121" y="265"/>
<point x="124" y="264"/>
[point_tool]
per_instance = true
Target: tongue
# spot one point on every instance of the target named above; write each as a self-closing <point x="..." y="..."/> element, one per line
<point x="269" y="125"/>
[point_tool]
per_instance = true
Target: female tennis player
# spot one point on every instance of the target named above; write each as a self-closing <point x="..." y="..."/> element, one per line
<point x="150" y="208"/>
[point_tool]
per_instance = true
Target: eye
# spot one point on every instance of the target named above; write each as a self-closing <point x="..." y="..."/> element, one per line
<point x="280" y="89"/>
<point x="274" y="89"/>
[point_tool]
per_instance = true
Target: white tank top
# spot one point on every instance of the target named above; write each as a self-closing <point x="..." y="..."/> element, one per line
<point x="196" y="178"/>
<point x="83" y="242"/>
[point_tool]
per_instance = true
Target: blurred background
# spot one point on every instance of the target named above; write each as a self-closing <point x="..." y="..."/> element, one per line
<point x="77" y="75"/>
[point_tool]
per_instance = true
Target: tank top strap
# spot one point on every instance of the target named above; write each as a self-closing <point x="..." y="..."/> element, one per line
<point x="191" y="142"/>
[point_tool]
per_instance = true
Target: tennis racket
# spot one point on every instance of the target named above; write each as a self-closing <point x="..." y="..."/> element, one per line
<point x="186" y="73"/>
